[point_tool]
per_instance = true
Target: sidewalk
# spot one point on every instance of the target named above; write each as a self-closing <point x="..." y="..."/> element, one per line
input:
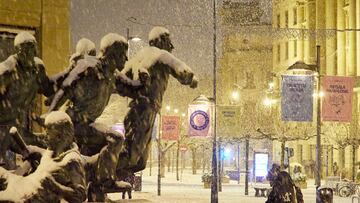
<point x="190" y="190"/>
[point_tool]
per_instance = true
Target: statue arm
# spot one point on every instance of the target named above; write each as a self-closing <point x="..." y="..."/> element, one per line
<point x="59" y="99"/>
<point x="47" y="87"/>
<point x="179" y="69"/>
<point x="129" y="88"/>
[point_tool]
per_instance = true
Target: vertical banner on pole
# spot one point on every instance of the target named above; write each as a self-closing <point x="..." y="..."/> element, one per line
<point x="337" y="101"/>
<point x="297" y="98"/>
<point x="199" y="120"/>
<point x="170" y="127"/>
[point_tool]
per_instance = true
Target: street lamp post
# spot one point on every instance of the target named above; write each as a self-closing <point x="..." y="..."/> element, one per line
<point x="315" y="68"/>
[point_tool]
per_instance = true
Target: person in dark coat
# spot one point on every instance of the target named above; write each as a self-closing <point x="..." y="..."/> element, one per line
<point x="283" y="189"/>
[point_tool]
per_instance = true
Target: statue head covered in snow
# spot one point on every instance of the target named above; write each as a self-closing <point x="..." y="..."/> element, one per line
<point x="25" y="46"/>
<point x="113" y="49"/>
<point x="160" y="37"/>
<point x="85" y="47"/>
<point x="59" y="130"/>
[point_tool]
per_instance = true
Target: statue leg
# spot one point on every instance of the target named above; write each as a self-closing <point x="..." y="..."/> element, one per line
<point x="138" y="129"/>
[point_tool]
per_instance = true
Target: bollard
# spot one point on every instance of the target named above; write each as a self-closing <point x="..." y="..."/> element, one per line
<point x="324" y="195"/>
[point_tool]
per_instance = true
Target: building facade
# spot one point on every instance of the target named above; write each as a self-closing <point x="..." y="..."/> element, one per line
<point x="335" y="26"/>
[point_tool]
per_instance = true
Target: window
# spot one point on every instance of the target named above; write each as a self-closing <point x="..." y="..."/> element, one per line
<point x="278" y="20"/>
<point x="286" y="19"/>
<point x="278" y="53"/>
<point x="287" y="50"/>
<point x="295" y="15"/>
<point x="295" y="48"/>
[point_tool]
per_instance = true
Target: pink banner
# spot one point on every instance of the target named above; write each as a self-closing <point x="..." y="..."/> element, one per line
<point x="337" y="101"/>
<point x="199" y="120"/>
<point x="170" y="127"/>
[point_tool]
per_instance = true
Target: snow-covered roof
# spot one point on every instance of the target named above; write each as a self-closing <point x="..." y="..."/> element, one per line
<point x="157" y="31"/>
<point x="57" y="117"/>
<point x="24" y="37"/>
<point x="81" y="66"/>
<point x="110" y="39"/>
<point x="8" y="65"/>
<point x="148" y="56"/>
<point x="84" y="46"/>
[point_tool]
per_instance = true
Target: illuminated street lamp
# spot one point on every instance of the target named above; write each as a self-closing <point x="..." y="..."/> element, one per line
<point x="176" y="110"/>
<point x="235" y="96"/>
<point x="167" y="108"/>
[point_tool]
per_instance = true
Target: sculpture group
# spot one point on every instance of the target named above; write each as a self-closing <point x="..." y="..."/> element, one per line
<point x="76" y="157"/>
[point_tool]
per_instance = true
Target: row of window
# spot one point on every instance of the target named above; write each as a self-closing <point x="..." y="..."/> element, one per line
<point x="295" y="20"/>
<point x="278" y="48"/>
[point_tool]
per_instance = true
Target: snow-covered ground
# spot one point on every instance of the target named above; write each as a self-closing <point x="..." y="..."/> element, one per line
<point x="190" y="190"/>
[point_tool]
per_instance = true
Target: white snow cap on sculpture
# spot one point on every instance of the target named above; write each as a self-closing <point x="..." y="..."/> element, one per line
<point x="148" y="56"/>
<point x="157" y="31"/>
<point x="57" y="117"/>
<point x="84" y="46"/>
<point x="109" y="40"/>
<point x="8" y="65"/>
<point x="24" y="37"/>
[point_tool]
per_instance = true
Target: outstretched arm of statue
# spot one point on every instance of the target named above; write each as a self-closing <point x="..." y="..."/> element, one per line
<point x="128" y="87"/>
<point x="59" y="99"/>
<point x="178" y="69"/>
<point x="47" y="87"/>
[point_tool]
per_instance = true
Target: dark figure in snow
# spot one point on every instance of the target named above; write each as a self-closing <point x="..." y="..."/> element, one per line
<point x="146" y="102"/>
<point x="22" y="76"/>
<point x="84" y="48"/>
<point x="60" y="175"/>
<point x="88" y="87"/>
<point x="283" y="188"/>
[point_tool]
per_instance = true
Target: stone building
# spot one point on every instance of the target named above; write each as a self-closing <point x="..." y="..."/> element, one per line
<point x="335" y="26"/>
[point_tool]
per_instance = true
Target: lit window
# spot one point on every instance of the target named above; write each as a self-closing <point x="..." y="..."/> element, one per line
<point x="295" y="15"/>
<point x="295" y="48"/>
<point x="286" y="19"/>
<point x="287" y="50"/>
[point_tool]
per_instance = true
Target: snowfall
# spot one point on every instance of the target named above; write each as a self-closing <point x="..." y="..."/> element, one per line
<point x="190" y="190"/>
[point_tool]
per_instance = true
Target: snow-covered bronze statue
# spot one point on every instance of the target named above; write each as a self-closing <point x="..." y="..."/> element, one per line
<point x="22" y="76"/>
<point x="146" y="102"/>
<point x="60" y="174"/>
<point x="84" y="48"/>
<point x="88" y="88"/>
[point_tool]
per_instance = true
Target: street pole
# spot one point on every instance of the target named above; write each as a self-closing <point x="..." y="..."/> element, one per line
<point x="159" y="159"/>
<point x="247" y="166"/>
<point x="238" y="161"/>
<point x="220" y="164"/>
<point x="214" y="185"/>
<point x="318" y="122"/>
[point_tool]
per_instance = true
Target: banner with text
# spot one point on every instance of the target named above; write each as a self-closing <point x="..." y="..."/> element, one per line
<point x="297" y="98"/>
<point x="337" y="101"/>
<point x="227" y="121"/>
<point x="170" y="127"/>
<point x="199" y="120"/>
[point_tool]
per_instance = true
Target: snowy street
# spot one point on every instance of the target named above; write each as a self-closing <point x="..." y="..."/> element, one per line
<point x="191" y="190"/>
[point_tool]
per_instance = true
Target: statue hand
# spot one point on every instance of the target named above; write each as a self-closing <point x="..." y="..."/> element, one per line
<point x="194" y="82"/>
